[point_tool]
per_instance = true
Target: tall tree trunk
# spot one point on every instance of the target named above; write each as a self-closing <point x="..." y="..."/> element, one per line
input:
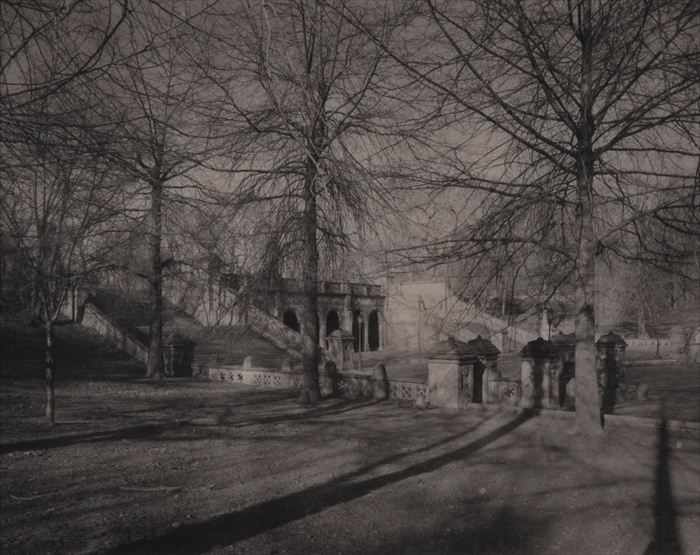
<point x="588" y="413"/>
<point x="154" y="368"/>
<point x="311" y="392"/>
<point x="641" y="320"/>
<point x="641" y="302"/>
<point x="49" y="372"/>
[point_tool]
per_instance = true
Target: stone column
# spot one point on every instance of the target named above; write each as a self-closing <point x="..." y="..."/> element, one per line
<point x="380" y="329"/>
<point x="365" y="331"/>
<point x="544" y="324"/>
<point x="380" y="383"/>
<point x="276" y="305"/>
<point x="346" y="324"/>
<point x="321" y="329"/>
<point x="527" y="383"/>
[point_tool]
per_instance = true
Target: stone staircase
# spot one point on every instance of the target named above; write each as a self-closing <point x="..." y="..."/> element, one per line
<point x="273" y="330"/>
<point x="124" y="320"/>
<point x="442" y="313"/>
<point x="78" y="353"/>
<point x="459" y="320"/>
<point x="223" y="346"/>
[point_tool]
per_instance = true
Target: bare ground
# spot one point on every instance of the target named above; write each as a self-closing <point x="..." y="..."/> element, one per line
<point x="194" y="467"/>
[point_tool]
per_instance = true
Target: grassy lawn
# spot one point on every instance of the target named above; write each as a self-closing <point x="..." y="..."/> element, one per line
<point x="195" y="467"/>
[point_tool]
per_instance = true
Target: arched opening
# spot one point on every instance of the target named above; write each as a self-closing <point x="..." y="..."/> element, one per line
<point x="332" y="322"/>
<point x="373" y="331"/>
<point x="358" y="331"/>
<point x="290" y="320"/>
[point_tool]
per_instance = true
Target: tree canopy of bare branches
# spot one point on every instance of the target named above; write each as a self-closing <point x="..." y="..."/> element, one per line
<point x="578" y="115"/>
<point x="312" y="97"/>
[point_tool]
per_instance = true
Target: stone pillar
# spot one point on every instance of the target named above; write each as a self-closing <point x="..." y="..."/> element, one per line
<point x="340" y="347"/>
<point x="487" y="355"/>
<point x="380" y="329"/>
<point x="492" y="378"/>
<point x="527" y="383"/>
<point x="565" y="344"/>
<point x="449" y="367"/>
<point x="365" y="331"/>
<point x="540" y="361"/>
<point x="544" y="323"/>
<point x="276" y="305"/>
<point x="346" y="323"/>
<point x="321" y="330"/>
<point x="380" y="383"/>
<point x="611" y="370"/>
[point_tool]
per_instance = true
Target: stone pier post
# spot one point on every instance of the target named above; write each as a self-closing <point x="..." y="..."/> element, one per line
<point x="539" y="370"/>
<point x="450" y="364"/>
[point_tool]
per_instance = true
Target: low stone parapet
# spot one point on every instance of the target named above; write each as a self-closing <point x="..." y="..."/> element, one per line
<point x="354" y="385"/>
<point x="409" y="391"/>
<point x="255" y="376"/>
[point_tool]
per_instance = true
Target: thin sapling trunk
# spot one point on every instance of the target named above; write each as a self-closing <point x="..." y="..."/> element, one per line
<point x="155" y="362"/>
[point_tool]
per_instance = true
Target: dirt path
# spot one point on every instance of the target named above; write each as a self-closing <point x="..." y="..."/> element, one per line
<point x="208" y="468"/>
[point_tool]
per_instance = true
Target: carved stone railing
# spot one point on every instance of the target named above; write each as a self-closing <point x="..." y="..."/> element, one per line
<point x="350" y="384"/>
<point x="255" y="376"/>
<point x="409" y="391"/>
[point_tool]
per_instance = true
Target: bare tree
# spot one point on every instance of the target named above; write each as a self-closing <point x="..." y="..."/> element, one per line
<point x="45" y="46"/>
<point x="153" y="92"/>
<point x="59" y="204"/>
<point x="575" y="112"/>
<point x="56" y="197"/>
<point x="311" y="96"/>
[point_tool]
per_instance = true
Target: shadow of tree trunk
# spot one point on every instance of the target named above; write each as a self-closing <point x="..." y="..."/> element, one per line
<point x="227" y="529"/>
<point x="665" y="540"/>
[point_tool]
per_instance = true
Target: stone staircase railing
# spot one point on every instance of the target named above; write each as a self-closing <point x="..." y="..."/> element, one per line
<point x="452" y="316"/>
<point x="275" y="331"/>
<point x="94" y="319"/>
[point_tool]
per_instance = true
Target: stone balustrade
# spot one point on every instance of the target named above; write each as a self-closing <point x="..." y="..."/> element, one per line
<point x="459" y="374"/>
<point x="355" y="385"/>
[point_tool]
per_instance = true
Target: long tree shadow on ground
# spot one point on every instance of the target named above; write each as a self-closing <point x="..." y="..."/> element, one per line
<point x="665" y="540"/>
<point x="132" y="432"/>
<point x="233" y="527"/>
<point x="150" y="431"/>
<point x="503" y="533"/>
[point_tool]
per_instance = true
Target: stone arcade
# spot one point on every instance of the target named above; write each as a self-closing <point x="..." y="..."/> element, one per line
<point x="354" y="307"/>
